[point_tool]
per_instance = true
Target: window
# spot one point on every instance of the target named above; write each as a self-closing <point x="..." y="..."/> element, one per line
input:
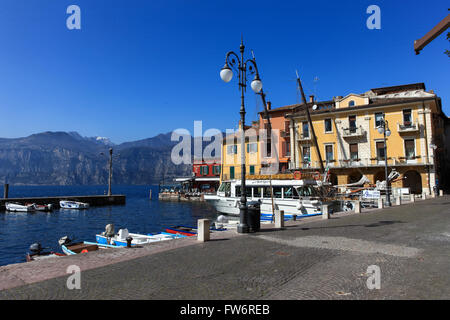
<point x="329" y="152"/>
<point x="252" y="170"/>
<point x="352" y="124"/>
<point x="204" y="170"/>
<point x="378" y="118"/>
<point x="231" y="172"/>
<point x="269" y="147"/>
<point x="232" y="149"/>
<point x="277" y="192"/>
<point x="216" y="169"/>
<point x="407" y="119"/>
<point x="380" y="150"/>
<point x="328" y="126"/>
<point x="288" y="192"/>
<point x="305" y="129"/>
<point x="306" y="154"/>
<point x="351" y="103"/>
<point x="354" y="151"/>
<point x="287" y="148"/>
<point x="410" y="152"/>
<point x="252" y="147"/>
<point x="286" y="126"/>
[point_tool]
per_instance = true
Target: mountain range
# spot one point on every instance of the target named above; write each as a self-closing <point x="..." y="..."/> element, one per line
<point x="67" y="158"/>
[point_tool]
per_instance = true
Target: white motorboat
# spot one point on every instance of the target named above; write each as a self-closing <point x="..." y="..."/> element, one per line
<point x="294" y="197"/>
<point x="68" y="204"/>
<point x="17" y="207"/>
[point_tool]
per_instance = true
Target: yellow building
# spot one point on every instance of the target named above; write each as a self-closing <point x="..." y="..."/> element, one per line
<point x="231" y="153"/>
<point x="351" y="145"/>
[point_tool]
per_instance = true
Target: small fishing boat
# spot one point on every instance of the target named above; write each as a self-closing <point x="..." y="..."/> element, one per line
<point x="36" y="253"/>
<point x="187" y="231"/>
<point x="69" y="248"/>
<point x="190" y="231"/>
<point x="41" y="207"/>
<point x="120" y="239"/>
<point x="68" y="204"/>
<point x="17" y="207"/>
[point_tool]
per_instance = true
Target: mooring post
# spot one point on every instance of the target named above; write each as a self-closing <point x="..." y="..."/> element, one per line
<point x="413" y="198"/>
<point x="380" y="203"/>
<point x="279" y="219"/>
<point x="441" y="193"/>
<point x="424" y="196"/>
<point x="203" y="226"/>
<point x="6" y="190"/>
<point x="357" y="206"/>
<point x="398" y="200"/>
<point x="325" y="213"/>
<point x="294" y="217"/>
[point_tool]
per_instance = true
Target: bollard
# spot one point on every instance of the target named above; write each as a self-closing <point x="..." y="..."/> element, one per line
<point x="398" y="200"/>
<point x="413" y="198"/>
<point x="294" y="217"/>
<point x="325" y="212"/>
<point x="441" y="193"/>
<point x="424" y="196"/>
<point x="203" y="229"/>
<point x="357" y="206"/>
<point x="279" y="219"/>
<point x="129" y="239"/>
<point x="380" y="203"/>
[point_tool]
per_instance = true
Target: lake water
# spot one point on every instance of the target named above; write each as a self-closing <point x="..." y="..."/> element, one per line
<point x="140" y="215"/>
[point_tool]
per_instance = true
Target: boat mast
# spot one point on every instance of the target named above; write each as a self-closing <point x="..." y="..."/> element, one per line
<point x="310" y="122"/>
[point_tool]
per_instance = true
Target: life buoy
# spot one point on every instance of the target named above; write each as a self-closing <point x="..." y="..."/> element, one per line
<point x="316" y="175"/>
<point x="297" y="175"/>
<point x="84" y="251"/>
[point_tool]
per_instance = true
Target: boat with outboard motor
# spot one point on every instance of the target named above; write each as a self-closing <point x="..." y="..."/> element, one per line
<point x="294" y="197"/>
<point x="70" y="248"/>
<point x="120" y="239"/>
<point x="37" y="253"/>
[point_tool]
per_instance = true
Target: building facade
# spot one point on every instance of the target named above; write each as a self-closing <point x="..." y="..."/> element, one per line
<point x="351" y="145"/>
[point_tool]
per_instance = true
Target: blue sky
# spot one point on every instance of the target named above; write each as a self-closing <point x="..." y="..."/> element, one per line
<point x="139" y="68"/>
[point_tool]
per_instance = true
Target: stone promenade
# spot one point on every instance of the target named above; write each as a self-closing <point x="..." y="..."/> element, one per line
<point x="309" y="259"/>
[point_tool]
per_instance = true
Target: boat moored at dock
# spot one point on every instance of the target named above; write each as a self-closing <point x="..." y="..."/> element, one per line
<point x="17" y="207"/>
<point x="294" y="197"/>
<point x="69" y="204"/>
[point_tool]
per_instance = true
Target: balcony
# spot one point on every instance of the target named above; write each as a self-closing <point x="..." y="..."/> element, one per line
<point x="408" y="126"/>
<point x="304" y="137"/>
<point x="353" y="132"/>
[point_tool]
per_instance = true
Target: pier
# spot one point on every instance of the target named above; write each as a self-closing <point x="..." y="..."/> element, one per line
<point x="93" y="200"/>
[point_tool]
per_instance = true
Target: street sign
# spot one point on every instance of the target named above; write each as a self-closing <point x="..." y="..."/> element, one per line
<point x="371" y="194"/>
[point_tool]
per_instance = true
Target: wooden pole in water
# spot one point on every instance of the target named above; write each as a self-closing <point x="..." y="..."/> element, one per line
<point x="6" y="190"/>
<point x="150" y="194"/>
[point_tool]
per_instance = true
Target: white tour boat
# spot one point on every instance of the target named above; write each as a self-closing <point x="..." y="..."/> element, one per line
<point x="299" y="197"/>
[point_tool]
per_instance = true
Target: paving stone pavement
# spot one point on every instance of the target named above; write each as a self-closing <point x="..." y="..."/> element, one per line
<point x="314" y="259"/>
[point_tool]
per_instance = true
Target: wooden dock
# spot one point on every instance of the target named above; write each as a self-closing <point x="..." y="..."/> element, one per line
<point x="95" y="200"/>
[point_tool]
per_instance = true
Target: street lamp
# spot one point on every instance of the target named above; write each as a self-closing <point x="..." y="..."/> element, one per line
<point x="232" y="60"/>
<point x="383" y="128"/>
<point x="110" y="169"/>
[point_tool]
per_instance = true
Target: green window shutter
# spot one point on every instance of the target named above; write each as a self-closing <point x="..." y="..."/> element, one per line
<point x="231" y="172"/>
<point x="252" y="170"/>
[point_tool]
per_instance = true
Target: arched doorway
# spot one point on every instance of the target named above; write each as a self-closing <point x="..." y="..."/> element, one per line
<point x="354" y="177"/>
<point x="413" y="181"/>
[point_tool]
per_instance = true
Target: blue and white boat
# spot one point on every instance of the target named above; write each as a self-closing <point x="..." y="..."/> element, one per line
<point x="68" y="204"/>
<point x="120" y="239"/>
<point x="70" y="248"/>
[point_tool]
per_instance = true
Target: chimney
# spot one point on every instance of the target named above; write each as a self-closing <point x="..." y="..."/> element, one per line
<point x="269" y="105"/>
<point x="311" y="98"/>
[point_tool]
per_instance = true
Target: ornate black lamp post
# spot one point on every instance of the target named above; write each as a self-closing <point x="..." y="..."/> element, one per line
<point x="232" y="60"/>
<point x="384" y="129"/>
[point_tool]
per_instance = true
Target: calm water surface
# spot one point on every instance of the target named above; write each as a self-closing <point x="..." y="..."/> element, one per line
<point x="140" y="215"/>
